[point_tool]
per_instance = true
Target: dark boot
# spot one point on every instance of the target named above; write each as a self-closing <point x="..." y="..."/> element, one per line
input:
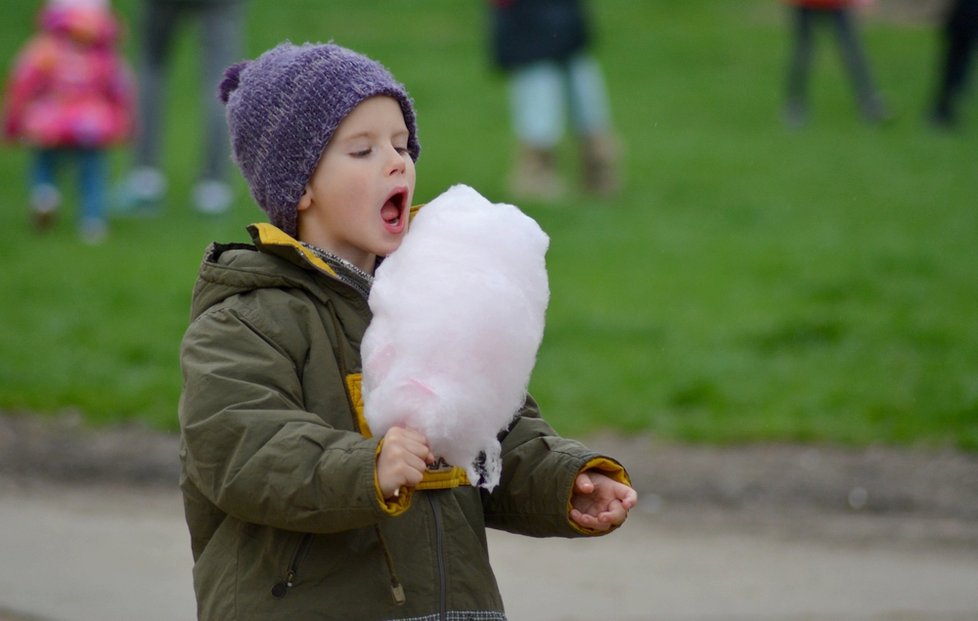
<point x="535" y="175"/>
<point x="600" y="162"/>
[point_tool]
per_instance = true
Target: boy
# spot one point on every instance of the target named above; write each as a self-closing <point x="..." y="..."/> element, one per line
<point x="294" y="511"/>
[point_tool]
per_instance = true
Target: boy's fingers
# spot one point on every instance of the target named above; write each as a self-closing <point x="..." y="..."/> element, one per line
<point x="584" y="484"/>
<point x="631" y="499"/>
<point x="615" y="513"/>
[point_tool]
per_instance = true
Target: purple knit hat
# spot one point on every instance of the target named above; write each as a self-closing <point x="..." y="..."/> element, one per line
<point x="282" y="109"/>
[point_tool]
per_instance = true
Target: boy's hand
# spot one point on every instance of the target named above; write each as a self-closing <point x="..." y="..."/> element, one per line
<point x="403" y="459"/>
<point x="599" y="502"/>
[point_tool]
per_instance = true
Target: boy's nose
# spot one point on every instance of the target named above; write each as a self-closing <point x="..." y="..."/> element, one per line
<point x="396" y="161"/>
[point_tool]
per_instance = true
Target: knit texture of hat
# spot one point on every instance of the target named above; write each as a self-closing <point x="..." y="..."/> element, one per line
<point x="283" y="108"/>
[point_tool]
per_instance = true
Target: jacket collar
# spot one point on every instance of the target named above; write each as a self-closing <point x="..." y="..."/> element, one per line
<point x="273" y="240"/>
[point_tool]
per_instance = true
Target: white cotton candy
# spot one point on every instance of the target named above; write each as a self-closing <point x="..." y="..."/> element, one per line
<point x="458" y="316"/>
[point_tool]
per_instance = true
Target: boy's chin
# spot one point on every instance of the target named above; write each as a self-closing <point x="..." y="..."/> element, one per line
<point x="390" y="249"/>
<point x="389" y="246"/>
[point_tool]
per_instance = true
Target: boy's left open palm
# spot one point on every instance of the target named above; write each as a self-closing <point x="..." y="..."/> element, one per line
<point x="599" y="502"/>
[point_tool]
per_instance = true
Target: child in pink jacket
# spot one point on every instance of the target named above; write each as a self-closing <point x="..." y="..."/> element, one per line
<point x="69" y="98"/>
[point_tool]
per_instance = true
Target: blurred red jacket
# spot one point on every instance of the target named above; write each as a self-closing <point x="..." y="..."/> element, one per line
<point x="70" y="86"/>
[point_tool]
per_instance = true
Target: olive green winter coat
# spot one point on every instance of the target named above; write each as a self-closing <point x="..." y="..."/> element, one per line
<point x="278" y="471"/>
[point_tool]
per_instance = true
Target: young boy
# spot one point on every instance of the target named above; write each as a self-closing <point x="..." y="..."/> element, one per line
<point x="294" y="511"/>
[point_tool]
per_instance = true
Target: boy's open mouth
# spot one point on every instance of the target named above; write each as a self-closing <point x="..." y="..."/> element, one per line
<point x="392" y="212"/>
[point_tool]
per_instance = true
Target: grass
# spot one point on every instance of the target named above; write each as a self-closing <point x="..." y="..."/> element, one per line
<point x="751" y="284"/>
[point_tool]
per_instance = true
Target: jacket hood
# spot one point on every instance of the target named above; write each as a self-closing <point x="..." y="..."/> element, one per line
<point x="86" y="24"/>
<point x="230" y="269"/>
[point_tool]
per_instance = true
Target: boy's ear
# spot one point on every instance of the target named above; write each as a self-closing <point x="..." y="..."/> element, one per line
<point x="305" y="201"/>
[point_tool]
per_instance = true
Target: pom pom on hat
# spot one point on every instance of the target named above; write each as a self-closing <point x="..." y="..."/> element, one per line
<point x="283" y="108"/>
<point x="232" y="77"/>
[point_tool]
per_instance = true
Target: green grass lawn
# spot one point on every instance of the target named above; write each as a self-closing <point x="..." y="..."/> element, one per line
<point x="751" y="284"/>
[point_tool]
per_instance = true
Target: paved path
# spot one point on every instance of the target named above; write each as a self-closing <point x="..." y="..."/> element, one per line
<point x="100" y="554"/>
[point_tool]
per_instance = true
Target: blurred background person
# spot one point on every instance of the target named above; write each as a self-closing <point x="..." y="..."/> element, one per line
<point x="220" y="32"/>
<point x="543" y="47"/>
<point x="960" y="31"/>
<point x="69" y="98"/>
<point x="838" y="14"/>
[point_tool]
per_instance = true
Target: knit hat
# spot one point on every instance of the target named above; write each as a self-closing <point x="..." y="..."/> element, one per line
<point x="283" y="108"/>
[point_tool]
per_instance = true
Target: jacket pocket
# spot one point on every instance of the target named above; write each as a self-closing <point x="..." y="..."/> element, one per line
<point x="281" y="588"/>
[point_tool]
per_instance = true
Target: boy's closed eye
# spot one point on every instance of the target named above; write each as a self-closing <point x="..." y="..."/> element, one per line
<point x="365" y="151"/>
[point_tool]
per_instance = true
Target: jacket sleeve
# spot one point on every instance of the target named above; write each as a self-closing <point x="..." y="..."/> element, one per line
<point x="249" y="447"/>
<point x="26" y="80"/>
<point x="120" y="92"/>
<point x="539" y="470"/>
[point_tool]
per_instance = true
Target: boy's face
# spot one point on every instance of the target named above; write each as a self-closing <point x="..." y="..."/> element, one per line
<point x="356" y="203"/>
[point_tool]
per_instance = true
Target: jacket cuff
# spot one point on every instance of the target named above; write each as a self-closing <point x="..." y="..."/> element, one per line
<point x="399" y="503"/>
<point x="608" y="467"/>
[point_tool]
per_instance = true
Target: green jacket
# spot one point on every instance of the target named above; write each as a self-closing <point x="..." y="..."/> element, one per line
<point x="278" y="469"/>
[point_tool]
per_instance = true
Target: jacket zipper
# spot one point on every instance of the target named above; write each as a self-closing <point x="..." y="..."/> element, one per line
<point x="397" y="589"/>
<point x="440" y="556"/>
<point x="282" y="588"/>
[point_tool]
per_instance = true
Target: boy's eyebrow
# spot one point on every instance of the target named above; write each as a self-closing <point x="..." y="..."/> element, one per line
<point x="367" y="133"/>
<point x="363" y="134"/>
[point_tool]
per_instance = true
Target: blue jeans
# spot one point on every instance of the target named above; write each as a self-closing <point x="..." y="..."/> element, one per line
<point x="542" y="93"/>
<point x="92" y="170"/>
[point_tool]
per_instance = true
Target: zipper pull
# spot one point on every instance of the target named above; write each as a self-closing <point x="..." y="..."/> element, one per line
<point x="397" y="591"/>
<point x="280" y="589"/>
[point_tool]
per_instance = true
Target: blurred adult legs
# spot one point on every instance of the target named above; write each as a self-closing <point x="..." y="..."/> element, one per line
<point x="856" y="63"/>
<point x="220" y="45"/>
<point x="799" y="67"/>
<point x="960" y="32"/>
<point x="537" y="109"/>
<point x="591" y="118"/>
<point x="542" y="95"/>
<point x="853" y="58"/>
<point x="146" y="184"/>
<point x="159" y="22"/>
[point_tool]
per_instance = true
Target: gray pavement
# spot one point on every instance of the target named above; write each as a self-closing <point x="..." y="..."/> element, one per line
<point x="97" y="553"/>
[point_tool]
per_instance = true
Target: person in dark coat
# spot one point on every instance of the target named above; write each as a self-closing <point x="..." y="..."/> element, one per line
<point x="543" y="47"/>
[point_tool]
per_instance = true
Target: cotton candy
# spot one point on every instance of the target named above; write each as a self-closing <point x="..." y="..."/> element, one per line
<point x="458" y="316"/>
